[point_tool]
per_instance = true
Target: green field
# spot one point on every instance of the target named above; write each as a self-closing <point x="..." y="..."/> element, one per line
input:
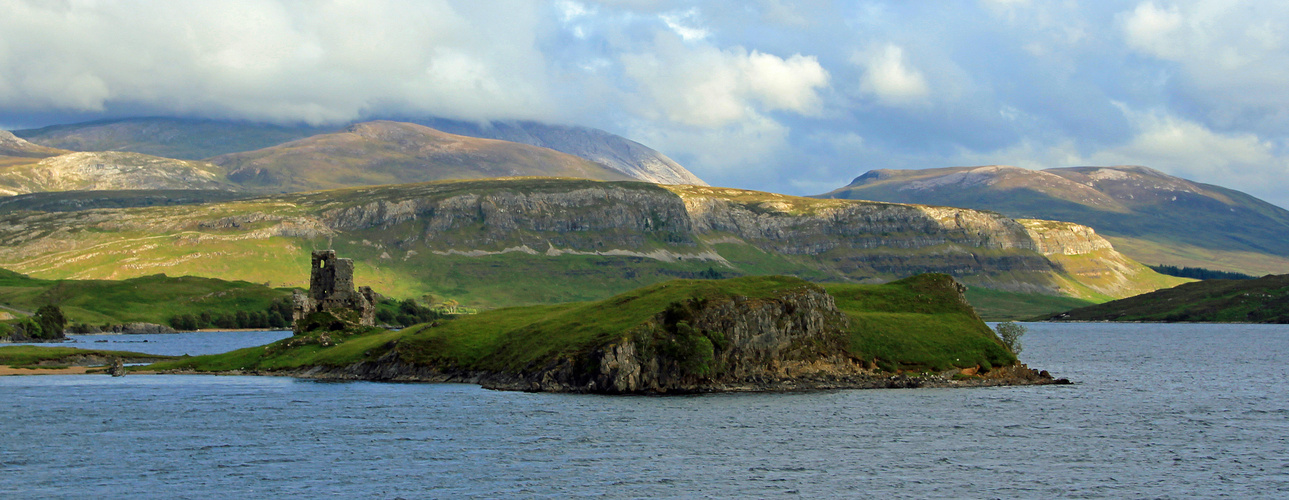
<point x="149" y="299"/>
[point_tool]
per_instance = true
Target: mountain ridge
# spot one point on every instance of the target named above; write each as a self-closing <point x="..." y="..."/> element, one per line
<point x="1149" y="215"/>
<point x="197" y="139"/>
<point x="386" y="152"/>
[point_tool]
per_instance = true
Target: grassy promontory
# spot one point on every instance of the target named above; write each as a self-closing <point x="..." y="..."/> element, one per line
<point x="751" y="333"/>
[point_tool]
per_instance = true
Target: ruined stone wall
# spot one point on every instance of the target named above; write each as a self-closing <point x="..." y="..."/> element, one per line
<point x="331" y="287"/>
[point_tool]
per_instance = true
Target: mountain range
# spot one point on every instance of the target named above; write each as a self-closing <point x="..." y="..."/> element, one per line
<point x="194" y="139"/>
<point x="383" y="152"/>
<point x="1148" y="215"/>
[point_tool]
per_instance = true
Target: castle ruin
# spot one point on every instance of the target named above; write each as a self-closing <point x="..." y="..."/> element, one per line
<point x="331" y="288"/>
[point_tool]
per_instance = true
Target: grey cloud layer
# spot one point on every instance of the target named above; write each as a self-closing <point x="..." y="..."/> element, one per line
<point x="785" y="96"/>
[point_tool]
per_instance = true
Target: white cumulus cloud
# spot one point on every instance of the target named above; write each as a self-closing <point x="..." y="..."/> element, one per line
<point x="889" y="77"/>
<point x="711" y="87"/>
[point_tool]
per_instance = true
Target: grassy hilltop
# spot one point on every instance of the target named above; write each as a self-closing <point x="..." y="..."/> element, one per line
<point x="919" y="323"/>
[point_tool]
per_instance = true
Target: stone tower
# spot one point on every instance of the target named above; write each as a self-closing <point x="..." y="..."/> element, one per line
<point x="331" y="287"/>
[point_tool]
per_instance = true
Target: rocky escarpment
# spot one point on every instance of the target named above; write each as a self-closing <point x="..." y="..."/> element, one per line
<point x="1064" y="238"/>
<point x="602" y="217"/>
<point x="855" y="239"/>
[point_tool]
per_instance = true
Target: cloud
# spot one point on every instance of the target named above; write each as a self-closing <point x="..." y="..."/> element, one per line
<point x="1154" y="31"/>
<point x="889" y="77"/>
<point x="682" y="24"/>
<point x="711" y="87"/>
<point x="274" y="61"/>
<point x="1230" y="59"/>
<point x="1159" y="140"/>
<point x="1188" y="149"/>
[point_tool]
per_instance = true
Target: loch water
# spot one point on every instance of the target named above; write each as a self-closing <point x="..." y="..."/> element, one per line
<point x="1156" y="411"/>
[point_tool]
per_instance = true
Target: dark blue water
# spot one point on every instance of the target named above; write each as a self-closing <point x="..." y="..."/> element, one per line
<point x="1159" y="411"/>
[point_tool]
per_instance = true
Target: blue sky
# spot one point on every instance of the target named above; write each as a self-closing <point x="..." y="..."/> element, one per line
<point x="793" y="97"/>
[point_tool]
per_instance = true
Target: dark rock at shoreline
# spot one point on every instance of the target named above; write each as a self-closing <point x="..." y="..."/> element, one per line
<point x="116" y="368"/>
<point x="140" y="328"/>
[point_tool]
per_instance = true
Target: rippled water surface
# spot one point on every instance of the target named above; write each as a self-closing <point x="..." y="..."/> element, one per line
<point x="1157" y="411"/>
<point x="172" y="344"/>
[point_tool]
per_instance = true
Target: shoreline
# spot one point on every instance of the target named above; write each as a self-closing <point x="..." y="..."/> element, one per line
<point x="11" y="371"/>
<point x="1019" y="375"/>
<point x="1009" y="377"/>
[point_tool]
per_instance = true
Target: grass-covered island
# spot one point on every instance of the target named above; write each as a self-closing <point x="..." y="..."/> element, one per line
<point x="742" y="334"/>
<point x="1262" y="300"/>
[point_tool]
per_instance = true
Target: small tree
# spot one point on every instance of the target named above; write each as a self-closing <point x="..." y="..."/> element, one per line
<point x="51" y="321"/>
<point x="1010" y="332"/>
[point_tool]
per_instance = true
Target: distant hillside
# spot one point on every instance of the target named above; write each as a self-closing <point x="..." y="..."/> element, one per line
<point x="502" y="242"/>
<point x="1262" y="300"/>
<point x="381" y="152"/>
<point x="185" y="139"/>
<point x="13" y="146"/>
<point x="69" y="201"/>
<point x="109" y="171"/>
<point x="192" y="139"/>
<point x="1148" y="215"/>
<point x="636" y="160"/>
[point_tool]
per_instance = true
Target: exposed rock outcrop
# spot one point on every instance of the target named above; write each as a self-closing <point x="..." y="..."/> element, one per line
<point x="736" y="341"/>
<point x="140" y="328"/>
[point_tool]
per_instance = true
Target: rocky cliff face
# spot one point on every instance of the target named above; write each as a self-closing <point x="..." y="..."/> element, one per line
<point x="858" y="240"/>
<point x="752" y="341"/>
<point x="1064" y="238"/>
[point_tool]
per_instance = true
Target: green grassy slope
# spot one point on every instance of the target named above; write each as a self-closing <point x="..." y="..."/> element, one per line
<point x="917" y="322"/>
<point x="998" y="305"/>
<point x="914" y="323"/>
<point x="1262" y="300"/>
<point x="150" y="299"/>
